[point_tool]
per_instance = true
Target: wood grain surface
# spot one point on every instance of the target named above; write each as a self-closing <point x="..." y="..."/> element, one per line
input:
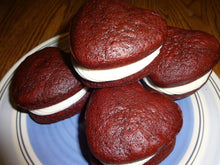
<point x="24" y="24"/>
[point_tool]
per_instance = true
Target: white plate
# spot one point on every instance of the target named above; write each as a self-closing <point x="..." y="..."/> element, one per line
<point x="22" y="141"/>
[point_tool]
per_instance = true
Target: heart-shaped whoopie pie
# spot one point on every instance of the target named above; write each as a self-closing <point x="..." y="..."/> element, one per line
<point x="113" y="42"/>
<point x="186" y="62"/>
<point x="45" y="86"/>
<point x="129" y="124"/>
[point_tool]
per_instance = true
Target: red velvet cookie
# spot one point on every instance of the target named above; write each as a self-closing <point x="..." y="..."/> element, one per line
<point x="113" y="42"/>
<point x="45" y="86"/>
<point x="128" y="123"/>
<point x="186" y="62"/>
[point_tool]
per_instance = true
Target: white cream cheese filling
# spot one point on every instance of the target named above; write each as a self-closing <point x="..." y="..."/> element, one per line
<point x="179" y="89"/>
<point x="115" y="73"/>
<point x="139" y="162"/>
<point x="61" y="105"/>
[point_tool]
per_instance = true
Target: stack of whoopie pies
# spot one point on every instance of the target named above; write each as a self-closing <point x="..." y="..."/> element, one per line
<point x="115" y="47"/>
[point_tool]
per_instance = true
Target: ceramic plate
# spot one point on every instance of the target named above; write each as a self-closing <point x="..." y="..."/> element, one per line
<point x="23" y="141"/>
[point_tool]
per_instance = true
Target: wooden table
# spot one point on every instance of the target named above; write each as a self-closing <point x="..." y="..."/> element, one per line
<point x="27" y="23"/>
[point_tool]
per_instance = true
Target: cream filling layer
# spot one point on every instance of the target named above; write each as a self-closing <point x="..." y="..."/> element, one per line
<point x="61" y="105"/>
<point x="179" y="89"/>
<point x="139" y="162"/>
<point x="115" y="73"/>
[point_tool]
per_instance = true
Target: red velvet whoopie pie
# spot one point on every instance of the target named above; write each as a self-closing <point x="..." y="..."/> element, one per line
<point x="45" y="86"/>
<point x="127" y="124"/>
<point x="186" y="62"/>
<point x="114" y="43"/>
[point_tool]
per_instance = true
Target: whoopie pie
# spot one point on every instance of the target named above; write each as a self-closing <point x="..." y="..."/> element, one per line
<point x="114" y="43"/>
<point x="130" y="124"/>
<point x="186" y="62"/>
<point x="44" y="85"/>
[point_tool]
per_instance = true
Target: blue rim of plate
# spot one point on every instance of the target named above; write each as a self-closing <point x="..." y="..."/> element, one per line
<point x="196" y="101"/>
